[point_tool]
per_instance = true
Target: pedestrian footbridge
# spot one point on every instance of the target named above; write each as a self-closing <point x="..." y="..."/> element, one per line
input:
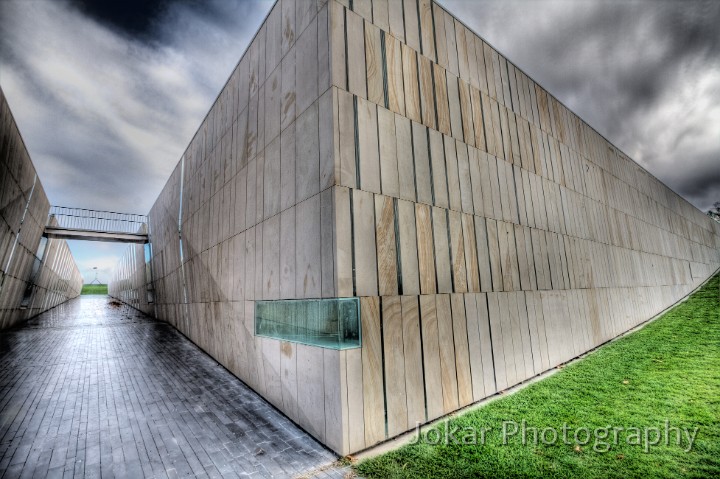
<point x="94" y="225"/>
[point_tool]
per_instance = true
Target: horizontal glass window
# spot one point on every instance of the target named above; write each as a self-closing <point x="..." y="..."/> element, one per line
<point x="327" y="323"/>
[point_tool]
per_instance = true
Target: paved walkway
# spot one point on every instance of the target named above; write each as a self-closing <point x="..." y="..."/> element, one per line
<point x="92" y="390"/>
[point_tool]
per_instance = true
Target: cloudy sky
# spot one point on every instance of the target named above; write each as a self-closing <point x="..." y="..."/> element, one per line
<point x="108" y="94"/>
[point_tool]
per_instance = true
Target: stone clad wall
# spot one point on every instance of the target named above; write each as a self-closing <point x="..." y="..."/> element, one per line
<point x="131" y="281"/>
<point x="35" y="274"/>
<point x="247" y="214"/>
<point x="490" y="232"/>
<point x="386" y="152"/>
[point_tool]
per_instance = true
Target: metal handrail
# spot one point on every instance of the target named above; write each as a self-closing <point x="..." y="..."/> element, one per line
<point x="96" y="220"/>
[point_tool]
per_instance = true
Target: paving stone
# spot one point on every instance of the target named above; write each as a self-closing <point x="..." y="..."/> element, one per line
<point x="92" y="390"/>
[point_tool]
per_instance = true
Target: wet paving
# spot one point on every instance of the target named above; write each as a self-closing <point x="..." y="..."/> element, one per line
<point x="94" y="390"/>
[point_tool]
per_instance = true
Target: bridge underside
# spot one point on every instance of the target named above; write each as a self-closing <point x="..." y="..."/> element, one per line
<point x="94" y="235"/>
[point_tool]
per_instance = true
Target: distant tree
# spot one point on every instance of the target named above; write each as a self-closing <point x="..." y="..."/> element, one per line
<point x="714" y="212"/>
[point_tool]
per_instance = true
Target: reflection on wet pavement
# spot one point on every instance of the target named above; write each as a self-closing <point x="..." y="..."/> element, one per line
<point x="92" y="388"/>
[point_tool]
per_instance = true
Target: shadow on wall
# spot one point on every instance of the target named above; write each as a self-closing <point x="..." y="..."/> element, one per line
<point x="36" y="273"/>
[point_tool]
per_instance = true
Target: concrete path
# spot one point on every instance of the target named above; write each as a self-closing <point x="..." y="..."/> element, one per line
<point x="92" y="390"/>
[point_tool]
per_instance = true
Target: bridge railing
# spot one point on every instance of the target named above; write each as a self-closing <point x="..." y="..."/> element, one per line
<point x="95" y="220"/>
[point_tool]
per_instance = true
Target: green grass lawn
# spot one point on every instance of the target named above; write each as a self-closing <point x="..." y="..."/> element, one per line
<point x="667" y="371"/>
<point x="94" y="289"/>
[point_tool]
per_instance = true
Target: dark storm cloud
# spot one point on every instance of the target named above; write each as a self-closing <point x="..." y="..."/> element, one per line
<point x="133" y="17"/>
<point x="146" y="20"/>
<point x="645" y="74"/>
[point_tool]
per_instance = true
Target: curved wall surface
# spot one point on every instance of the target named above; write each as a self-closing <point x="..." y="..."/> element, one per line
<point x="36" y="273"/>
<point x="386" y="152"/>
